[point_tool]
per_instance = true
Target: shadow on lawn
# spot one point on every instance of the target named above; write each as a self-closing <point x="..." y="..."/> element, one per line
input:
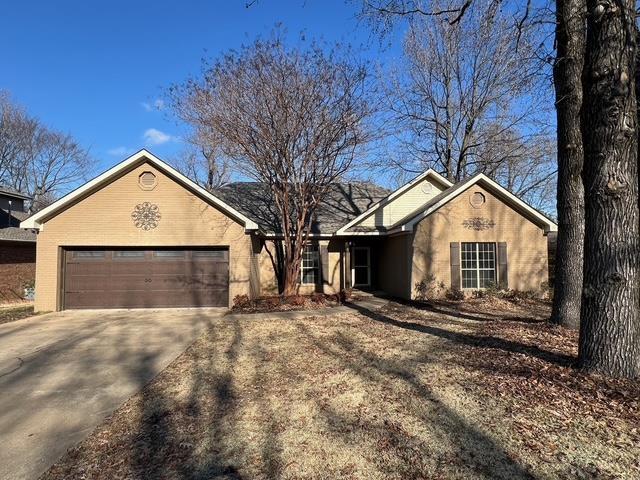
<point x="401" y="453"/>
<point x="485" y="341"/>
<point x="169" y="431"/>
<point x="452" y="310"/>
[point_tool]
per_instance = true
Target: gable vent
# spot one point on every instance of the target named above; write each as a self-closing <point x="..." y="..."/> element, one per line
<point x="147" y="180"/>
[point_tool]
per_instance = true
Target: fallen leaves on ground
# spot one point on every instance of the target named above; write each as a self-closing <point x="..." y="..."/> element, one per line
<point x="444" y="390"/>
<point x="13" y="313"/>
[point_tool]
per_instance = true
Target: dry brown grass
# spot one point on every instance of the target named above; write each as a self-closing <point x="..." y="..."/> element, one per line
<point x="401" y="393"/>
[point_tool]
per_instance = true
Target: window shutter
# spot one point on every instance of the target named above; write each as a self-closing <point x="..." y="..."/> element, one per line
<point x="503" y="271"/>
<point x="324" y="263"/>
<point x="454" y="250"/>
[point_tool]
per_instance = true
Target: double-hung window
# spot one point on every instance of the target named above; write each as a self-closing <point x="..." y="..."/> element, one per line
<point x="310" y="265"/>
<point x="478" y="265"/>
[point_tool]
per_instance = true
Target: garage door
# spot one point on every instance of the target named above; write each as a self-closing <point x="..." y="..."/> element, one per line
<point x="137" y="278"/>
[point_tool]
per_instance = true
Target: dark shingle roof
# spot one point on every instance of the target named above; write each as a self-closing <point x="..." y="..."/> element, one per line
<point x="10" y="231"/>
<point x="15" y="234"/>
<point x="11" y="192"/>
<point x="343" y="202"/>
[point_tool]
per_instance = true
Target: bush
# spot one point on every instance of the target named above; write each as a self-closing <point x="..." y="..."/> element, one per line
<point x="454" y="294"/>
<point x="241" y="301"/>
<point x="428" y="288"/>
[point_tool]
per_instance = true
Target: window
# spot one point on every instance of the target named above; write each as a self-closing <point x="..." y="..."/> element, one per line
<point x="88" y="254"/>
<point x="310" y="265"/>
<point x="128" y="254"/>
<point x="169" y="253"/>
<point x="208" y="254"/>
<point x="478" y="264"/>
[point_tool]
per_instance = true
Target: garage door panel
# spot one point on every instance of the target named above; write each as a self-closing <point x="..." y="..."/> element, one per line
<point x="146" y="278"/>
<point x="88" y="268"/>
<point x="161" y="267"/>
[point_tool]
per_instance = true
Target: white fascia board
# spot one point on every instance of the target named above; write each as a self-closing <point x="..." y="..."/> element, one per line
<point x="361" y="234"/>
<point x="34" y="221"/>
<point x="508" y="196"/>
<point x="311" y="235"/>
<point x="392" y="195"/>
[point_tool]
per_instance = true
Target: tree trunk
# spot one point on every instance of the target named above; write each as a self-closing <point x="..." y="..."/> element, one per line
<point x="610" y="321"/>
<point x="567" y="74"/>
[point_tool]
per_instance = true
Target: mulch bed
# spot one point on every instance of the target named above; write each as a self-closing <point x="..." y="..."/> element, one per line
<point x="279" y="303"/>
<point x="13" y="313"/>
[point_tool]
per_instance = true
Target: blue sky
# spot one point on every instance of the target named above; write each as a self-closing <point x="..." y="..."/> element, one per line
<point x="95" y="69"/>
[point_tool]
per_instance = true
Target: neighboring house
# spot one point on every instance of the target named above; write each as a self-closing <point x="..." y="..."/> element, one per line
<point x="17" y="247"/>
<point x="143" y="235"/>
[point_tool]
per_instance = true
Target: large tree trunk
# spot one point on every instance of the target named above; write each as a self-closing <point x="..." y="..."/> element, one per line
<point x="610" y="321"/>
<point x="567" y="74"/>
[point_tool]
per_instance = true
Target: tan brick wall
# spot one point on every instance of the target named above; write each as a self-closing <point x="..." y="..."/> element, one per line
<point x="17" y="266"/>
<point x="104" y="219"/>
<point x="394" y="264"/>
<point x="269" y="283"/>
<point x="526" y="242"/>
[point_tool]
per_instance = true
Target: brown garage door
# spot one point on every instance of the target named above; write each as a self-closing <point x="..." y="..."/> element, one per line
<point x="136" y="278"/>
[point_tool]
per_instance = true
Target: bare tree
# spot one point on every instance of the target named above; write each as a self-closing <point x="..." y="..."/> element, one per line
<point x="462" y="99"/>
<point x="35" y="159"/>
<point x="383" y="14"/>
<point x="203" y="160"/>
<point x="610" y="314"/>
<point x="292" y="118"/>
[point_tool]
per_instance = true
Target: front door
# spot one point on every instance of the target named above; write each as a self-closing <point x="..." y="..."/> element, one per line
<point x="361" y="268"/>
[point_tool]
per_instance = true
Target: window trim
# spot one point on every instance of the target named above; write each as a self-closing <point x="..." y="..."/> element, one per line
<point x="316" y="267"/>
<point x="477" y="268"/>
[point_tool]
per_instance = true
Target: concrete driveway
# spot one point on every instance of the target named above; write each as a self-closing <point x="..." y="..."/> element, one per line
<point x="61" y="374"/>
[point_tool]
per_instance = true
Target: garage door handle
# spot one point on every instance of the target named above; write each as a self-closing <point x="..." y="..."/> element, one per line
<point x="148" y="280"/>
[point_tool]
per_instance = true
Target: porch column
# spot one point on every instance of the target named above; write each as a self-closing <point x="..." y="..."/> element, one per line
<point x="347" y="264"/>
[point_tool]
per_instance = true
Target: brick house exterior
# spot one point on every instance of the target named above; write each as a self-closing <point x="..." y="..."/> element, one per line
<point x="17" y="247"/>
<point x="144" y="235"/>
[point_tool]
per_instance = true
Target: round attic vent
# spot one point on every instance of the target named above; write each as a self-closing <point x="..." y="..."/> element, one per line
<point x="477" y="199"/>
<point x="427" y="188"/>
<point x="147" y="181"/>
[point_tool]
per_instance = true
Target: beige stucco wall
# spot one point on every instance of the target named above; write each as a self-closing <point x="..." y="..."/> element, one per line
<point x="526" y="242"/>
<point x="103" y="219"/>
<point x="331" y="283"/>
<point x="401" y="206"/>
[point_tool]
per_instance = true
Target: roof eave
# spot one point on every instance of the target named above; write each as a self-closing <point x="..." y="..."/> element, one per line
<point x="37" y="220"/>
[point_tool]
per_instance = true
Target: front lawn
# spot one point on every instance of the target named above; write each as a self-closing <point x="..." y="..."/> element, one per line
<point x="441" y="391"/>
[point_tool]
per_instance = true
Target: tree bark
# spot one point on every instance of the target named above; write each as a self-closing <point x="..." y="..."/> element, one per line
<point x="610" y="321"/>
<point x="567" y="74"/>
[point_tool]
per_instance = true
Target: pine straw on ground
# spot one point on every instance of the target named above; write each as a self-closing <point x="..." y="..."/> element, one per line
<point x="437" y="391"/>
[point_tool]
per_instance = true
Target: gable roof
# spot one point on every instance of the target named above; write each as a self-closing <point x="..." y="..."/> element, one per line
<point x="407" y="224"/>
<point x="11" y="192"/>
<point x="396" y="193"/>
<point x="36" y="220"/>
<point x="342" y="203"/>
